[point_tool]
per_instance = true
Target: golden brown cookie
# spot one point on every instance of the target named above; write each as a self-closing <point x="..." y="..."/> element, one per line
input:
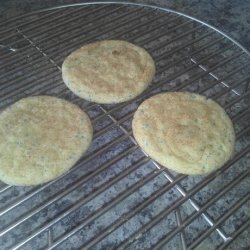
<point x="41" y="138"/>
<point x="109" y="71"/>
<point x="184" y="132"/>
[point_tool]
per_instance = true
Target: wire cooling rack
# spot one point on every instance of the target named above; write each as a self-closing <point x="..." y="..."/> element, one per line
<point x="116" y="197"/>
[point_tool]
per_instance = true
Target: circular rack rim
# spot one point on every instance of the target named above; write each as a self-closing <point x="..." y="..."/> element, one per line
<point x="140" y="5"/>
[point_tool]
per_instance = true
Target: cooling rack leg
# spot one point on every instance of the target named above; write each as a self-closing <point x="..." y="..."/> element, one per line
<point x="49" y="235"/>
<point x="182" y="234"/>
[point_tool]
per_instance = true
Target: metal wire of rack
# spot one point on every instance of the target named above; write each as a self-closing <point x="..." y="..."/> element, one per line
<point x="116" y="197"/>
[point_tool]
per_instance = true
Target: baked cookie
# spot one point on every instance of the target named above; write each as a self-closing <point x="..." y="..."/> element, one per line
<point x="41" y="137"/>
<point x="109" y="71"/>
<point x="184" y="132"/>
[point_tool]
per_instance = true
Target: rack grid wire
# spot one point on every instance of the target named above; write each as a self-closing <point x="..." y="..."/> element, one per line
<point x="116" y="197"/>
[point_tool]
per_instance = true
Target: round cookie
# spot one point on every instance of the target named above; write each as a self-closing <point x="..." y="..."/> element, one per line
<point x="41" y="137"/>
<point x="108" y="71"/>
<point x="184" y="132"/>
